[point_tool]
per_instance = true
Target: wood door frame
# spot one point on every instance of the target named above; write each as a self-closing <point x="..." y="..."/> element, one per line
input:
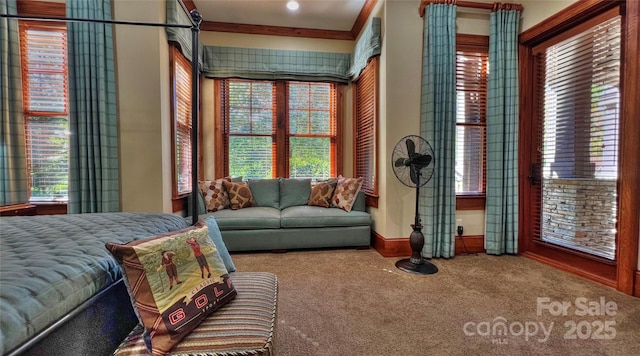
<point x="619" y="275"/>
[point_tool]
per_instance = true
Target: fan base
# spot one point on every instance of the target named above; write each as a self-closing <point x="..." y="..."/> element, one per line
<point x="424" y="268"/>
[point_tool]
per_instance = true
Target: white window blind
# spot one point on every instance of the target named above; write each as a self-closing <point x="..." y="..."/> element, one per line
<point x="285" y="129"/>
<point x="471" y="94"/>
<point x="580" y="77"/>
<point x="311" y="130"/>
<point x="45" y="96"/>
<point x="182" y="122"/>
<point x="250" y="113"/>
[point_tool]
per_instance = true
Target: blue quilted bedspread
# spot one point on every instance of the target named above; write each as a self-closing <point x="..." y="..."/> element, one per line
<point x="49" y="265"/>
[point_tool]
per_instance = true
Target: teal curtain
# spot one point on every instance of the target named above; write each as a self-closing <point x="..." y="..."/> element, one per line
<point x="273" y="64"/>
<point x="437" y="204"/>
<point x="182" y="36"/>
<point x="13" y="162"/>
<point x="93" y="157"/>
<point x="368" y="45"/>
<point x="501" y="231"/>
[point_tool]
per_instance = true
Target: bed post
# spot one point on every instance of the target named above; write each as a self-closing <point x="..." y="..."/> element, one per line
<point x="195" y="91"/>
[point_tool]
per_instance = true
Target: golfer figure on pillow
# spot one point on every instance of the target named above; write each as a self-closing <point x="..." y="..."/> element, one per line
<point x="202" y="260"/>
<point x="170" y="267"/>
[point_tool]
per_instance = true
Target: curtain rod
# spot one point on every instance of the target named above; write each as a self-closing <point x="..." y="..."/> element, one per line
<point x="471" y="4"/>
<point x="194" y="21"/>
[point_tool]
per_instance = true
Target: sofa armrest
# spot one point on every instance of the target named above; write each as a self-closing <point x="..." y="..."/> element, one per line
<point x="360" y="203"/>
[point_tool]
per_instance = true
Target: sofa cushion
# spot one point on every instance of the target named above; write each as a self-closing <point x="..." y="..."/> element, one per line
<point x="315" y="216"/>
<point x="346" y="192"/>
<point x="322" y="192"/>
<point x="240" y="195"/>
<point x="216" y="237"/>
<point x="248" y="218"/>
<point x="215" y="196"/>
<point x="361" y="203"/>
<point x="266" y="192"/>
<point x="294" y="192"/>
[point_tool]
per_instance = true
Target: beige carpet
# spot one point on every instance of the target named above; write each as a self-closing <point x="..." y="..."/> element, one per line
<point x="350" y="302"/>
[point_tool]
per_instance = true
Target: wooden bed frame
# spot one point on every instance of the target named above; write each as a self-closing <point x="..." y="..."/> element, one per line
<point x="100" y="324"/>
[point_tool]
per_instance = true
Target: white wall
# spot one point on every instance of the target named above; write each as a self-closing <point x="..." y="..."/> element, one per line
<point x="400" y="84"/>
<point x="536" y="11"/>
<point x="142" y="75"/>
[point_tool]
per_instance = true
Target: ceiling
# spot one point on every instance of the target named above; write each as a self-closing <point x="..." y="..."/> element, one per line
<point x="333" y="15"/>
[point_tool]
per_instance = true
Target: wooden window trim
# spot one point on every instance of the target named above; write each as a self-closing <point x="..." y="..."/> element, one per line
<point x="41" y="8"/>
<point x="53" y="208"/>
<point x="470" y="202"/>
<point x="607" y="15"/>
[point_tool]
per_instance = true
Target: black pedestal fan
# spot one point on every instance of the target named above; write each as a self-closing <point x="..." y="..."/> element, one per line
<point x="412" y="163"/>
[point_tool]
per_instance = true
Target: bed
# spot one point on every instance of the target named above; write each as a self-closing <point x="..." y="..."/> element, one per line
<point x="53" y="270"/>
<point x="61" y="292"/>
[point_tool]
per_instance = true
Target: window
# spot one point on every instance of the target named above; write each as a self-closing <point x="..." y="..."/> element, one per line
<point x="578" y="77"/>
<point x="365" y="121"/>
<point x="181" y="112"/>
<point x="471" y="101"/>
<point x="43" y="47"/>
<point x="279" y="129"/>
<point x="249" y="123"/>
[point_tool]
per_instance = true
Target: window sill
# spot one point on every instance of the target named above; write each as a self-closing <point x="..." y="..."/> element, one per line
<point x="50" y="207"/>
<point x="179" y="203"/>
<point x="18" y="210"/>
<point x="371" y="200"/>
<point x="470" y="202"/>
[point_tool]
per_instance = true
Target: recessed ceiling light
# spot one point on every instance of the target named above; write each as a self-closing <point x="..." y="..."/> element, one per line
<point x="293" y="5"/>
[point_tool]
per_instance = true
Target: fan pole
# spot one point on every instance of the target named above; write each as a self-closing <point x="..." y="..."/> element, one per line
<point x="416" y="263"/>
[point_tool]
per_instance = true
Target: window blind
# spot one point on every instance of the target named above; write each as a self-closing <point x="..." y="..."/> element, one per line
<point x="44" y="67"/>
<point x="312" y="130"/>
<point x="249" y="114"/>
<point x="471" y="103"/>
<point x="279" y="129"/>
<point x="182" y="121"/>
<point x="580" y="79"/>
<point x="365" y="116"/>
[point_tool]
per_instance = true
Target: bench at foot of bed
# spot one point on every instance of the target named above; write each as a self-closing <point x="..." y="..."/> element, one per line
<point x="245" y="325"/>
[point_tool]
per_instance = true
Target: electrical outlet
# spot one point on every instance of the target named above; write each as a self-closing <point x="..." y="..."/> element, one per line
<point x="459" y="228"/>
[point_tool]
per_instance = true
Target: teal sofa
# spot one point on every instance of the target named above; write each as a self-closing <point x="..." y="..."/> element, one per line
<point x="283" y="220"/>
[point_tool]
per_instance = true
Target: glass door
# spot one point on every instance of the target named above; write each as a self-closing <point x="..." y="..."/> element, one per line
<point x="574" y="176"/>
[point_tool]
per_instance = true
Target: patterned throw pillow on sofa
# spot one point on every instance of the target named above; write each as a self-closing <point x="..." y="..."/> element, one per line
<point x="240" y="195"/>
<point x="215" y="196"/>
<point x="346" y="193"/>
<point x="175" y="281"/>
<point x="322" y="192"/>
